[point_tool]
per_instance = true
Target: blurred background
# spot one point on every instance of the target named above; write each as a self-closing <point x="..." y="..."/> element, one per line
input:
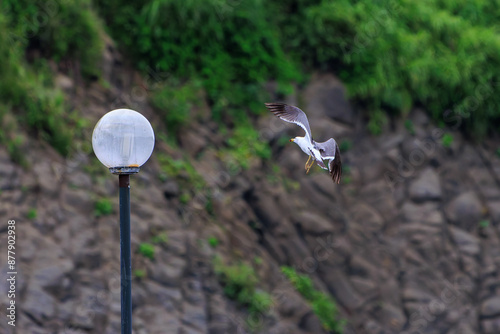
<point x="228" y="233"/>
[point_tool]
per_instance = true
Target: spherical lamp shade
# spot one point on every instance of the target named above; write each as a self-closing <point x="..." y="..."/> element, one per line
<point x="123" y="139"/>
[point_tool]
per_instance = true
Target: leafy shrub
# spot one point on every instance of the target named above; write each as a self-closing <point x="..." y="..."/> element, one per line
<point x="323" y="305"/>
<point x="484" y="223"/>
<point x="161" y="238"/>
<point x="213" y="242"/>
<point x="139" y="273"/>
<point x="103" y="207"/>
<point x="409" y="126"/>
<point x="240" y="284"/>
<point x="58" y="30"/>
<point x="32" y="214"/>
<point x="245" y="145"/>
<point x="447" y="140"/>
<point x="182" y="170"/>
<point x="233" y="49"/>
<point x="394" y="53"/>
<point x="62" y="30"/>
<point x="147" y="250"/>
<point x="174" y="103"/>
<point x="345" y="145"/>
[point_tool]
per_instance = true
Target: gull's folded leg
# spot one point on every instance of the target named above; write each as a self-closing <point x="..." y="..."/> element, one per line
<point x="309" y="166"/>
<point x="307" y="162"/>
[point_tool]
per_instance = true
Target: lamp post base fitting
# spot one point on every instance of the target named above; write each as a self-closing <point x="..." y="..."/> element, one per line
<point x="124" y="170"/>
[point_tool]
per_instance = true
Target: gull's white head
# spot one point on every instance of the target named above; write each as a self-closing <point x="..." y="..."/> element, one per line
<point x="303" y="143"/>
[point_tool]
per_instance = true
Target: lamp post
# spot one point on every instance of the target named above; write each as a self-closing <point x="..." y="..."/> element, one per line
<point x="123" y="141"/>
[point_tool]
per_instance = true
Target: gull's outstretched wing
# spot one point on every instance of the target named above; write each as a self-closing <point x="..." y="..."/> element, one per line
<point x="291" y="114"/>
<point x="329" y="150"/>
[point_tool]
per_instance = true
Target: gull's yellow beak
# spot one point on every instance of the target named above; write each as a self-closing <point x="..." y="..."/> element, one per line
<point x="291" y="139"/>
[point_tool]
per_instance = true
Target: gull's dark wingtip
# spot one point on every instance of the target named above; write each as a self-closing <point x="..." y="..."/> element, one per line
<point x="336" y="167"/>
<point x="276" y="108"/>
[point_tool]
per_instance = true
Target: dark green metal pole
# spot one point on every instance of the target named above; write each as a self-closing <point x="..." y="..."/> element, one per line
<point x="125" y="257"/>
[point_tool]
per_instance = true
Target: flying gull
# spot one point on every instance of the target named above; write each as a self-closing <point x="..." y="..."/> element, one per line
<point x="317" y="152"/>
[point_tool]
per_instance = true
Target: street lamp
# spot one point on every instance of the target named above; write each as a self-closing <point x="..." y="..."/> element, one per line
<point x="123" y="141"/>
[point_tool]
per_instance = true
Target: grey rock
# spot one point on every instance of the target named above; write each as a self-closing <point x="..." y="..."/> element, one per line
<point x="363" y="286"/>
<point x="485" y="182"/>
<point x="494" y="210"/>
<point x="53" y="277"/>
<point x="169" y="298"/>
<point x="38" y="304"/>
<point x="190" y="330"/>
<point x="78" y="200"/>
<point x="171" y="189"/>
<point x="426" y="187"/>
<point x="194" y="316"/>
<point x="490" y="307"/>
<point x="466" y="242"/>
<point x="285" y="327"/>
<point x="313" y="223"/>
<point x="193" y="291"/>
<point x="416" y="153"/>
<point x="64" y="82"/>
<point x="79" y="180"/>
<point x="491" y="326"/>
<point x="340" y="286"/>
<point x="168" y="272"/>
<point x="310" y="323"/>
<point x="325" y="95"/>
<point x="47" y="181"/>
<point x="156" y="320"/>
<point x="290" y="304"/>
<point x="267" y="210"/>
<point x="394" y="316"/>
<point x="192" y="142"/>
<point x="367" y="217"/>
<point x="427" y="212"/>
<point x="465" y="210"/>
<point x="89" y="257"/>
<point x="412" y="294"/>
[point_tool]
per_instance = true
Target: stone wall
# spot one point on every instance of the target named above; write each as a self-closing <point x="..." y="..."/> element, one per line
<point x="407" y="243"/>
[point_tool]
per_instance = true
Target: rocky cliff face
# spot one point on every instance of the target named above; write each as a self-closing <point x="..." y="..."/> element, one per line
<point x="407" y="243"/>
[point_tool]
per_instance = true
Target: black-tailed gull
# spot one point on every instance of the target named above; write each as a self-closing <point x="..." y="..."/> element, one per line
<point x="328" y="150"/>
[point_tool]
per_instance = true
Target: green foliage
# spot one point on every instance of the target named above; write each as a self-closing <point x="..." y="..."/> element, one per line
<point x="174" y="103"/>
<point x="447" y="140"/>
<point x="147" y="250"/>
<point x="139" y="273"/>
<point x="409" y="126"/>
<point x="245" y="145"/>
<point x="484" y="223"/>
<point x="11" y="137"/>
<point x="213" y="242"/>
<point x="240" y="284"/>
<point x="161" y="238"/>
<point x="182" y="170"/>
<point x="377" y="120"/>
<point x="103" y="207"/>
<point x="345" y="145"/>
<point x="185" y="197"/>
<point x="65" y="30"/>
<point x="32" y="214"/>
<point x="394" y="53"/>
<point x="323" y="305"/>
<point x="233" y="49"/>
<point x="258" y="260"/>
